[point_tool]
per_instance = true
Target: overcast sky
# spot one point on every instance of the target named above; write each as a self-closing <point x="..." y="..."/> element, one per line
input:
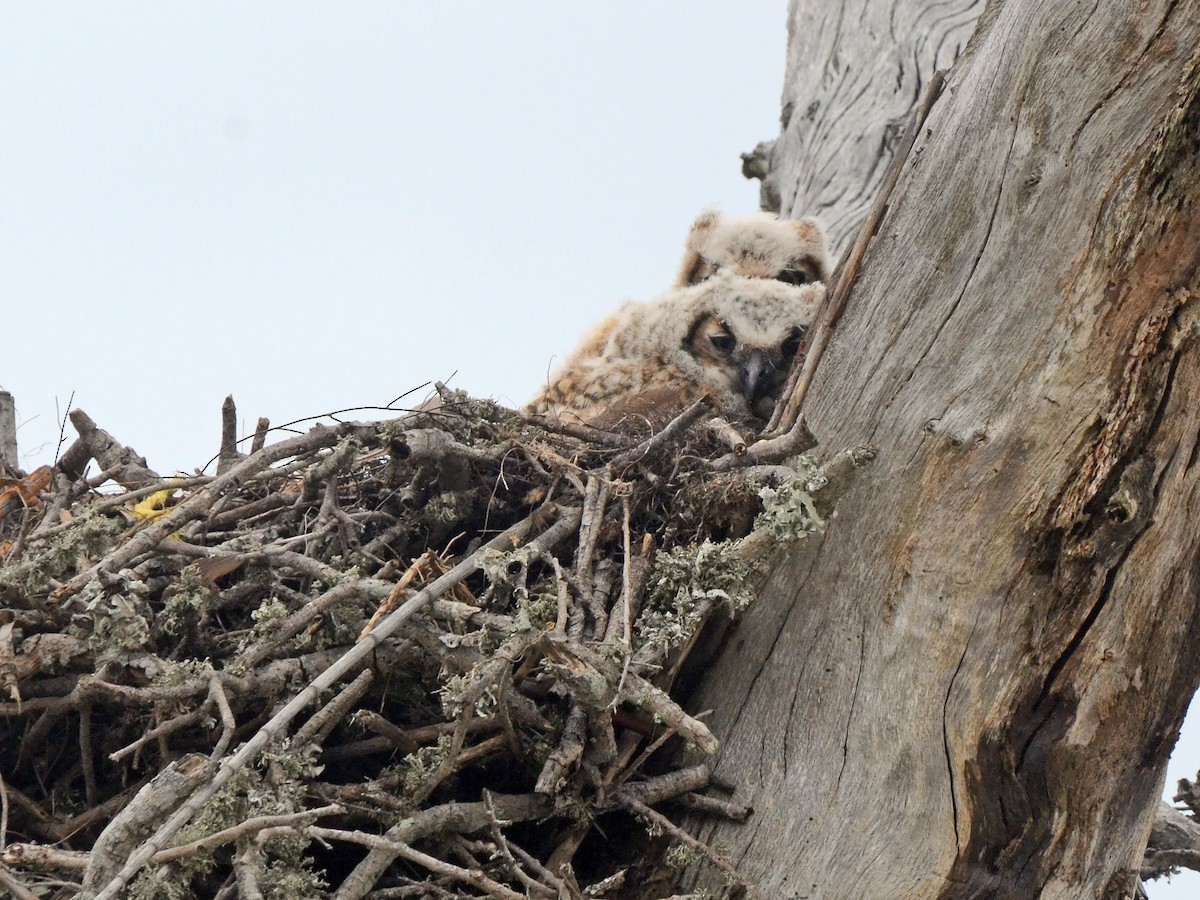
<point x="320" y="206"/>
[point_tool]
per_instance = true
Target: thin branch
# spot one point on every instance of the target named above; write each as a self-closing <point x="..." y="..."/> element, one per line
<point x="251" y="826"/>
<point x="474" y="877"/>
<point x="787" y="414"/>
<point x="507" y="540"/>
<point x="661" y="821"/>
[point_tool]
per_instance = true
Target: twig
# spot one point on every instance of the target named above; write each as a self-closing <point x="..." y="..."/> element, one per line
<point x="415" y="570"/>
<point x="175" y="723"/>
<point x="568" y="751"/>
<point x="595" y="501"/>
<point x="626" y="579"/>
<point x="45" y="859"/>
<point x="661" y="787"/>
<point x="3" y="813"/>
<point x="671" y="432"/>
<point x="351" y="660"/>
<point x="475" y="878"/>
<point x="228" y="456"/>
<point x="726" y="434"/>
<point x="249" y="864"/>
<point x="130" y="826"/>
<point x="651" y="749"/>
<point x="15" y="887"/>
<point x="124" y="464"/>
<point x="502" y="845"/>
<point x="216" y="693"/>
<point x="260" y="434"/>
<point x="200" y="502"/>
<point x="287" y="629"/>
<point x="642" y="693"/>
<point x="526" y="858"/>
<point x="683" y="837"/>
<point x="86" y="759"/>
<point x="714" y="806"/>
<point x="770" y="450"/>
<point x="785" y="419"/>
<point x="210" y="842"/>
<point x="317" y="728"/>
<point x="408" y="740"/>
<point x="577" y="430"/>
<point x="450" y="818"/>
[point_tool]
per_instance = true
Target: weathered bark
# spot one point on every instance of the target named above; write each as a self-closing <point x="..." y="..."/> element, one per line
<point x="8" y="432"/>
<point x="853" y="75"/>
<point x="971" y="686"/>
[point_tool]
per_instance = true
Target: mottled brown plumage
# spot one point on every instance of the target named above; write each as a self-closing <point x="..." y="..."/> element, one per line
<point x="758" y="246"/>
<point x="729" y="338"/>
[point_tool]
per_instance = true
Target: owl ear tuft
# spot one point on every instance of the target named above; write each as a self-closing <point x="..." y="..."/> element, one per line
<point x="691" y="270"/>
<point x="810" y="232"/>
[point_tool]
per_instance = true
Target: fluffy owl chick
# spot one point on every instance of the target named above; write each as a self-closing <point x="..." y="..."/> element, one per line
<point x="760" y="246"/>
<point x="729" y="338"/>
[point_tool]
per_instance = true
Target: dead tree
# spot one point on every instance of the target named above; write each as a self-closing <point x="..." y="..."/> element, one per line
<point x="853" y="78"/>
<point x="971" y="685"/>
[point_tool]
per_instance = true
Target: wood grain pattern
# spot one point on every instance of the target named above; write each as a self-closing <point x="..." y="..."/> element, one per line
<point x="971" y="686"/>
<point x="854" y="74"/>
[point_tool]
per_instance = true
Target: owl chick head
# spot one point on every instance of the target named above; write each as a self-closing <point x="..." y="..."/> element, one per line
<point x="730" y="337"/>
<point x="759" y="246"/>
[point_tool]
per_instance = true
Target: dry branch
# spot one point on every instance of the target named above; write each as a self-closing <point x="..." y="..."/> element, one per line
<point x="488" y="600"/>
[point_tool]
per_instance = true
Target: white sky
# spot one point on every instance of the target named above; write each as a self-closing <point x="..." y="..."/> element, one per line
<point x="315" y="206"/>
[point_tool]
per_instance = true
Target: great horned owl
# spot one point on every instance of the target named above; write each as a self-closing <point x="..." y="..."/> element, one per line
<point x="730" y="338"/>
<point x="759" y="246"/>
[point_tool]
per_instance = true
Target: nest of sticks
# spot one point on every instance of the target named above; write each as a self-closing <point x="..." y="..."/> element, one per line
<point x="440" y="655"/>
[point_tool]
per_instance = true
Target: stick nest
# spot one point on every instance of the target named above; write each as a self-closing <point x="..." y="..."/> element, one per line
<point x="434" y="656"/>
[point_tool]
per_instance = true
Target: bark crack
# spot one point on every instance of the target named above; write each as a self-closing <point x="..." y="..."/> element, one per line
<point x="946" y="740"/>
<point x="970" y="275"/>
<point x="750" y="689"/>
<point x="862" y="654"/>
<point x="987" y="236"/>
<point x="1112" y="449"/>
<point x="1121" y="82"/>
<point x="1103" y="595"/>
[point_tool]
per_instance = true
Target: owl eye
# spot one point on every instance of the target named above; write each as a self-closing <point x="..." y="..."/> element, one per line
<point x="794" y="276"/>
<point x="722" y="341"/>
<point x="791" y="344"/>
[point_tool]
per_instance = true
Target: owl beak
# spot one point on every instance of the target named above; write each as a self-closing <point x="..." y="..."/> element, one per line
<point x="754" y="375"/>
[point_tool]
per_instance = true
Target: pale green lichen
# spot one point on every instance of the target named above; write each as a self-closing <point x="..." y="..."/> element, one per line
<point x="176" y="881"/>
<point x="90" y="536"/>
<point x="286" y="871"/>
<point x="682" y="856"/>
<point x="417" y="768"/>
<point x="290" y="875"/>
<point x="120" y="626"/>
<point x="267" y="617"/>
<point x="539" y="610"/>
<point x="173" y="672"/>
<point x="789" y="512"/>
<point x="455" y="690"/>
<point x="190" y="592"/>
<point x="684" y="577"/>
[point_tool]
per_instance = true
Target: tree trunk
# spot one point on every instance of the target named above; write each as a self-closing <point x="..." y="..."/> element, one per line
<point x="853" y="76"/>
<point x="971" y="685"/>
